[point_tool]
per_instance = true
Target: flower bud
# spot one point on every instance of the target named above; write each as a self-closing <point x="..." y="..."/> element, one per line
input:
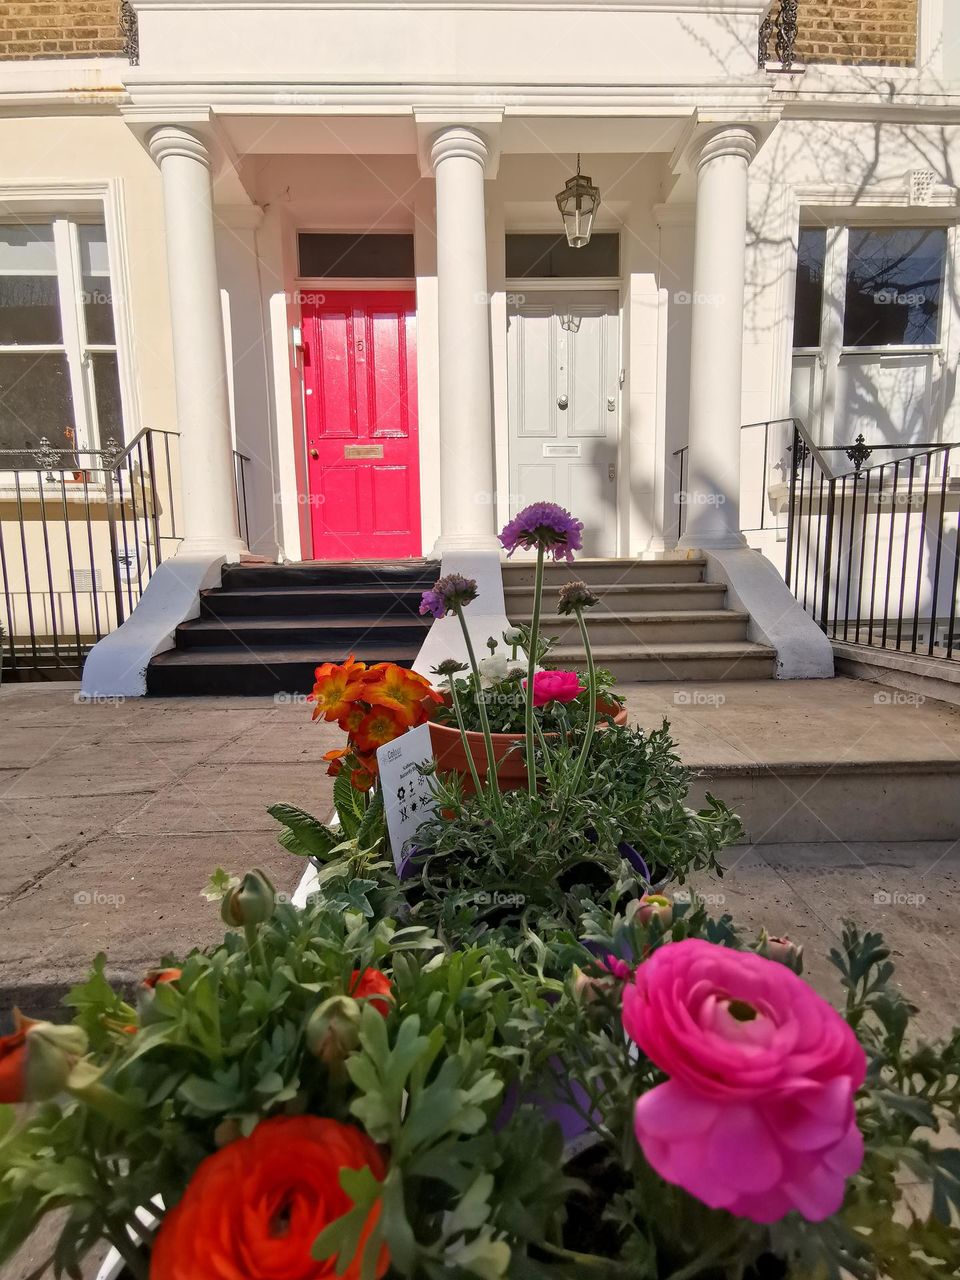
<point x="40" y="1061"/>
<point x="251" y="902"/>
<point x="782" y="950"/>
<point x="654" y="906"/>
<point x="585" y="988"/>
<point x="147" y="990"/>
<point x="333" y="1030"/>
<point x="513" y="636"/>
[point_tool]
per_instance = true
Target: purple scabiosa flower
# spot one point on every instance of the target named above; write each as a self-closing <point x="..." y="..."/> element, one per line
<point x="433" y="603"/>
<point x="547" y="525"/>
<point x="447" y="594"/>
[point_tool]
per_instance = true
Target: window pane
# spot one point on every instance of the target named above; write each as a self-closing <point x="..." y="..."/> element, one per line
<point x="894" y="286"/>
<point x="106" y="390"/>
<point x="95" y="282"/>
<point x="811" y="255"/>
<point x="550" y="257"/>
<point x="384" y="257"/>
<point x="29" y="303"/>
<point x="35" y="399"/>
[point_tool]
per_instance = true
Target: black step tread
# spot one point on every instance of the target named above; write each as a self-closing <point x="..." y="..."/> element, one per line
<point x="278" y="655"/>
<point x="327" y="573"/>
<point x="321" y="622"/>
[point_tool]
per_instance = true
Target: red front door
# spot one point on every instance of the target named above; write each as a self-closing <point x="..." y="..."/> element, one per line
<point x="360" y="380"/>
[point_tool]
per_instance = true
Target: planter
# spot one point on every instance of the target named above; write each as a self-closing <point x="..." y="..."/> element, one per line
<point x="448" y="750"/>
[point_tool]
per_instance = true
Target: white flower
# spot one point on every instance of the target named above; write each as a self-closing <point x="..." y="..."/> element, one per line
<point x="494" y="669"/>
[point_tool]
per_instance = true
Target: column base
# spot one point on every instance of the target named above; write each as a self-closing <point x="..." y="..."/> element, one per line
<point x="448" y="542"/>
<point x="711" y="542"/>
<point x="230" y="548"/>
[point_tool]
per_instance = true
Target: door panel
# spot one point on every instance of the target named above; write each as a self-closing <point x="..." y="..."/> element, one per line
<point x="361" y="419"/>
<point x="564" y="407"/>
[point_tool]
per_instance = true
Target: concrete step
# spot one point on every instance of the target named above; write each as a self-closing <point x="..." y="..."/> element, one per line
<point x="255" y="672"/>
<point x="311" y="602"/>
<point x="332" y="573"/>
<point x="688" y="662"/>
<point x="613" y="572"/>
<point x="648" y="628"/>
<point x="321" y="634"/>
<point x="662" y="597"/>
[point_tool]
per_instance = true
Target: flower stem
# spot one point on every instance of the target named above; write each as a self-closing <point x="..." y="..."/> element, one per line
<point x="592" y="709"/>
<point x="463" y="735"/>
<point x="482" y="709"/>
<point x="531" y="671"/>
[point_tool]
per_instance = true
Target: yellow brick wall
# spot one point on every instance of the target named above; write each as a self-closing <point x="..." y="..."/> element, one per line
<point x="59" y="28"/>
<point x="860" y="32"/>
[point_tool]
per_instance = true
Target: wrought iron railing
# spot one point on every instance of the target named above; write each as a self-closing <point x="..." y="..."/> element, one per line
<point x="82" y="531"/>
<point x="873" y="553"/>
<point x="778" y="35"/>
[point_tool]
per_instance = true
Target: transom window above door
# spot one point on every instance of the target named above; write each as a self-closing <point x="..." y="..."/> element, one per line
<point x="59" y="375"/>
<point x="550" y="257"/>
<point x="356" y="256"/>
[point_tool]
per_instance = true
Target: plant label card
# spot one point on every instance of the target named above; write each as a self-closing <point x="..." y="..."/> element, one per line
<point x="407" y="799"/>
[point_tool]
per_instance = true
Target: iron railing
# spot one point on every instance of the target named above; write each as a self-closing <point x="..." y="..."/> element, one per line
<point x="778" y="35"/>
<point x="81" y="533"/>
<point x="873" y="553"/>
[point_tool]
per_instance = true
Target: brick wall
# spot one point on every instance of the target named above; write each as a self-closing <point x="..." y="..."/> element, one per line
<point x="861" y="32"/>
<point x="59" y="28"/>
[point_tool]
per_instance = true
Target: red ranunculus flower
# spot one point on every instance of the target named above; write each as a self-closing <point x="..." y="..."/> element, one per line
<point x="13" y="1061"/>
<point x="253" y="1210"/>
<point x="157" y="976"/>
<point x="372" y="985"/>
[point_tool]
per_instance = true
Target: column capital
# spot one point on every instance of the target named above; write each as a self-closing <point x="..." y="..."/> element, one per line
<point x="175" y="140"/>
<point x="731" y="140"/>
<point x="458" y="142"/>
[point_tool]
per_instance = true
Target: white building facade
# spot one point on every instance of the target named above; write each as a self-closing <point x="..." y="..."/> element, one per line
<point x="323" y="234"/>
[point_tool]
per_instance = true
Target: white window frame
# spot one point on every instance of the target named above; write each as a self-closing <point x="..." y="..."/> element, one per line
<point x="67" y="206"/>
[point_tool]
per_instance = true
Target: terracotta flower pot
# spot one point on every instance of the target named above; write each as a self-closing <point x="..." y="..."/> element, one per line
<point x="507" y="750"/>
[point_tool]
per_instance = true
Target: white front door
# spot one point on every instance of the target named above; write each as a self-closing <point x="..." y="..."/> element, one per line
<point x="563" y="382"/>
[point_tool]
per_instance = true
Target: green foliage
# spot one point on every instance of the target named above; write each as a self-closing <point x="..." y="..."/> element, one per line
<point x="504" y="701"/>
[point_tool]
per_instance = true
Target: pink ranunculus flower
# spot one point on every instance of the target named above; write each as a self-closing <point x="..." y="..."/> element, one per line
<point x="758" y="1115"/>
<point x="555" y="686"/>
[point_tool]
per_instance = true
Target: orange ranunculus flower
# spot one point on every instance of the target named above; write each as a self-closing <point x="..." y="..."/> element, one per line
<point x="349" y="722"/>
<point x="379" y="725"/>
<point x="372" y="985"/>
<point x="364" y="773"/>
<point x="335" y="759"/>
<point x="336" y="688"/>
<point x="157" y="976"/>
<point x="397" y="689"/>
<point x="253" y="1209"/>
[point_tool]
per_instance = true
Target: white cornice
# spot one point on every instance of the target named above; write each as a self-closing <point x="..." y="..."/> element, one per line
<point x="702" y="7"/>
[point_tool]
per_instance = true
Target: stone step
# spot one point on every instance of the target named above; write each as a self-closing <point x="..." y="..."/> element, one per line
<point x="255" y="672"/>
<point x="311" y="602"/>
<point x="332" y="573"/>
<point x="688" y="662"/>
<point x="663" y="597"/>
<point x="323" y="634"/>
<point x="647" y="628"/>
<point x="611" y="572"/>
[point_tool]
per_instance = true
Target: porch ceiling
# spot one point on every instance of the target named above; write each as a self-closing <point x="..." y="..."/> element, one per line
<point x="313" y="134"/>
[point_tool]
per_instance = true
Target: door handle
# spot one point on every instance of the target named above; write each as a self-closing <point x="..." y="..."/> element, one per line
<point x="562" y="402"/>
<point x="314" y="453"/>
<point x="612" y="404"/>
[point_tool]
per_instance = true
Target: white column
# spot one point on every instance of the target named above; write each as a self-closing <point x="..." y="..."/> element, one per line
<point x="458" y="156"/>
<point x="712" y="491"/>
<point x="199" y="358"/>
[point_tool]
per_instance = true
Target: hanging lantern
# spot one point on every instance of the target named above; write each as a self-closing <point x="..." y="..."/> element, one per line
<point x="578" y="203"/>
